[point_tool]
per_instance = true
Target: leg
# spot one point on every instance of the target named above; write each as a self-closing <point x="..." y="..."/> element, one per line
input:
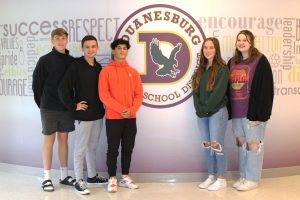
<point x="127" y="143"/>
<point x="206" y="146"/>
<point x="92" y="147"/>
<point x="81" y="142"/>
<point x="255" y="151"/>
<point x="254" y="140"/>
<point x="203" y="125"/>
<point x="47" y="161"/>
<point x="62" y="138"/>
<point x="217" y="127"/>
<point x="114" y="129"/>
<point x="48" y="150"/>
<point x="239" y="132"/>
<point x="242" y="156"/>
<point x="63" y="158"/>
<point x="65" y="124"/>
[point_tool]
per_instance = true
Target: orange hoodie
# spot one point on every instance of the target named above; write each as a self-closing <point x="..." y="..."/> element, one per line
<point x="120" y="87"/>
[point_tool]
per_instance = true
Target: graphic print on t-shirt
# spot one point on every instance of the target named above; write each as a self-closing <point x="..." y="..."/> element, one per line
<point x="239" y="79"/>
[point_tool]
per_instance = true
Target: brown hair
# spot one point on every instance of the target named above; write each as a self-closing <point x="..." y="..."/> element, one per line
<point x="253" y="51"/>
<point x="59" y="32"/>
<point x="217" y="63"/>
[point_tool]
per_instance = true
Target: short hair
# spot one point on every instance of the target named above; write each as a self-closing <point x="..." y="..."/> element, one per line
<point x="59" y="32"/>
<point x="88" y="37"/>
<point x="118" y="41"/>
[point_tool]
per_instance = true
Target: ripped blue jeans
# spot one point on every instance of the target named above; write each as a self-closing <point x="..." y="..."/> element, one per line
<point x="250" y="160"/>
<point x="212" y="130"/>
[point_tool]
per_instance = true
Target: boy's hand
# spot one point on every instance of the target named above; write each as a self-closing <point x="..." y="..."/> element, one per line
<point x="82" y="105"/>
<point x="126" y="113"/>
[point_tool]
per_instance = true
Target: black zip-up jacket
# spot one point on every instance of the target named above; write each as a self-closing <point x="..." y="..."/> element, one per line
<point x="80" y="83"/>
<point x="47" y="75"/>
<point x="261" y="93"/>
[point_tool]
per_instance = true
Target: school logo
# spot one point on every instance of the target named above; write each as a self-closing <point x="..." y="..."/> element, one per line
<point x="165" y="42"/>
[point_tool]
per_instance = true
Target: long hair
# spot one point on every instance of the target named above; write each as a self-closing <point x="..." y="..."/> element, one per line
<point x="217" y="63"/>
<point x="253" y="51"/>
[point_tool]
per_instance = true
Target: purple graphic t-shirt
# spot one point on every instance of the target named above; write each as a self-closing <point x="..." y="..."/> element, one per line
<point x="241" y="76"/>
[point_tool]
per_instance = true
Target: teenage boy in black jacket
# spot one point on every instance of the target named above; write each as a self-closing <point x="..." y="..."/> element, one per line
<point x="56" y="119"/>
<point x="79" y="93"/>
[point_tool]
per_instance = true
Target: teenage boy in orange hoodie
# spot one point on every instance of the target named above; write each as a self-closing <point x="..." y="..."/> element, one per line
<point x="120" y="89"/>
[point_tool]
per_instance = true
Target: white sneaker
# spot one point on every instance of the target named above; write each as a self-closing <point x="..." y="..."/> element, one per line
<point x="218" y="185"/>
<point x="127" y="182"/>
<point x="210" y="180"/>
<point x="112" y="185"/>
<point x="238" y="182"/>
<point x="247" y="185"/>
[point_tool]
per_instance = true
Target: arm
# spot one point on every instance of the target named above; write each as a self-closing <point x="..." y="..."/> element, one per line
<point x="105" y="93"/>
<point x="138" y="94"/>
<point x="38" y="78"/>
<point x="263" y="92"/>
<point x="197" y="106"/>
<point x="66" y="89"/>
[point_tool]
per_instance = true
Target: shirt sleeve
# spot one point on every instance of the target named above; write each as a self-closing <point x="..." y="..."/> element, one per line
<point x="66" y="89"/>
<point x="38" y="79"/>
<point x="138" y="94"/>
<point x="197" y="106"/>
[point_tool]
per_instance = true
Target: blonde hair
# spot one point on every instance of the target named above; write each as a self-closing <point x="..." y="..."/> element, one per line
<point x="59" y="32"/>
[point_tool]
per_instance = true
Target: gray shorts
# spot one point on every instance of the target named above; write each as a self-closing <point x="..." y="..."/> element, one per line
<point x="56" y="121"/>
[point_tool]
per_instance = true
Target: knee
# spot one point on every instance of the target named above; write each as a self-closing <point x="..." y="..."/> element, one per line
<point x="254" y="146"/>
<point x="206" y="145"/>
<point x="217" y="147"/>
<point x="112" y="153"/>
<point x="126" y="151"/>
<point x="62" y="139"/>
<point x="240" y="141"/>
<point x="91" y="149"/>
<point x="49" y="141"/>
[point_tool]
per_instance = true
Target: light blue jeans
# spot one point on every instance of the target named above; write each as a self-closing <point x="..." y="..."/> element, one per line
<point x="250" y="161"/>
<point x="212" y="130"/>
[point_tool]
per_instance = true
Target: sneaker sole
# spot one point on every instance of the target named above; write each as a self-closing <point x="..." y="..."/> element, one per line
<point x="246" y="189"/>
<point x="48" y="190"/>
<point x="125" y="186"/>
<point x="216" y="189"/>
<point x="113" y="191"/>
<point x="82" y="193"/>
<point x="96" y="184"/>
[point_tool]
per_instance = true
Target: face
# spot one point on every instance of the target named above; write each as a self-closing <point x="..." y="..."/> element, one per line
<point x="60" y="42"/>
<point x="90" y="49"/>
<point x="120" y="52"/>
<point x="242" y="44"/>
<point x="209" y="50"/>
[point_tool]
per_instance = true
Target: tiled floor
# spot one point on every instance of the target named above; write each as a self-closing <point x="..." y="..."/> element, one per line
<point x="17" y="186"/>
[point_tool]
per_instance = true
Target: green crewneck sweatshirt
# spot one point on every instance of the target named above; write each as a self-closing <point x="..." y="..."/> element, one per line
<point x="207" y="103"/>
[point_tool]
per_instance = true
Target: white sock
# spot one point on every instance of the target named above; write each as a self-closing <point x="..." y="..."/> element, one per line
<point x="47" y="175"/>
<point x="63" y="173"/>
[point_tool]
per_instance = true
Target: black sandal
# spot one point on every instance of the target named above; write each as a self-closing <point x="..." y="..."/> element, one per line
<point x="68" y="181"/>
<point x="48" y="186"/>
